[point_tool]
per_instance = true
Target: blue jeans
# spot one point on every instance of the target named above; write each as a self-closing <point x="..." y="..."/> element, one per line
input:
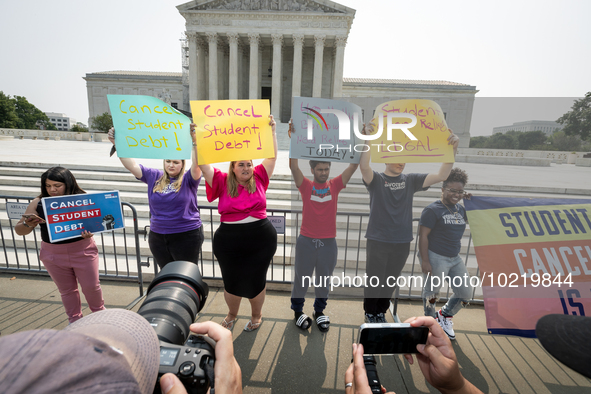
<point x="452" y="267"/>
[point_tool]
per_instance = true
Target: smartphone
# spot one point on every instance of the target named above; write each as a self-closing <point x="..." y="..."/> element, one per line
<point x="32" y="215"/>
<point x="391" y="338"/>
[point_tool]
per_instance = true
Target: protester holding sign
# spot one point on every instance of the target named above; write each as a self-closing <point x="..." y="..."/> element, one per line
<point x="441" y="228"/>
<point x="316" y="247"/>
<point x="176" y="232"/>
<point x="72" y="260"/>
<point x="389" y="230"/>
<point x="245" y="241"/>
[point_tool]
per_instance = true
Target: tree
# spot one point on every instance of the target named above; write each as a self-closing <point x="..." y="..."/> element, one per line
<point x="478" y="142"/>
<point x="79" y="128"/>
<point x="569" y="143"/>
<point x="529" y="139"/>
<point x="502" y="141"/>
<point x="29" y="115"/>
<point x="578" y="120"/>
<point x="102" y="122"/>
<point x="8" y="117"/>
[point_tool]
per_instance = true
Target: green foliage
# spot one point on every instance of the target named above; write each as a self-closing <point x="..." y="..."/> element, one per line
<point x="502" y="141"/>
<point x="527" y="140"/>
<point x="478" y="142"/>
<point x="8" y="117"/>
<point x="79" y="128"/>
<point x="578" y="120"/>
<point x="29" y="115"/>
<point x="18" y="113"/>
<point x="562" y="142"/>
<point x="102" y="122"/>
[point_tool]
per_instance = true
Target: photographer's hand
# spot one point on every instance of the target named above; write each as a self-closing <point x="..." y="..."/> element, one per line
<point x="438" y="361"/>
<point x="228" y="376"/>
<point x="170" y="384"/>
<point x="357" y="374"/>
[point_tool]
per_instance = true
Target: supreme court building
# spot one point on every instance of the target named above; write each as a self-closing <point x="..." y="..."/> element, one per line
<point x="275" y="50"/>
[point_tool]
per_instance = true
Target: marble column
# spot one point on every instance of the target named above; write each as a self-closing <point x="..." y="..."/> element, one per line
<point x="276" y="78"/>
<point x="224" y="52"/>
<point x="233" y="77"/>
<point x="212" y="38"/>
<point x="193" y="65"/>
<point x="339" y="62"/>
<point x="240" y="70"/>
<point x="318" y="56"/>
<point x="253" y="78"/>
<point x="296" y="85"/>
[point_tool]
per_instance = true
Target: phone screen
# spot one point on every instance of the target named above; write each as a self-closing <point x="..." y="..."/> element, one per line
<point x="392" y="340"/>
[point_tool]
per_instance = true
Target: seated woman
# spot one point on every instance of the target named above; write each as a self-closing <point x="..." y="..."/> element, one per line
<point x="442" y="225"/>
<point x="176" y="232"/>
<point x="71" y="261"/>
<point x="245" y="242"/>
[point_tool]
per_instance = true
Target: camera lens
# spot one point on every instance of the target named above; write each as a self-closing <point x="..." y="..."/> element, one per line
<point x="174" y="298"/>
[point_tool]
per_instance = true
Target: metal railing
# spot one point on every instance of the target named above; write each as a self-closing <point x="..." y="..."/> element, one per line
<point x="121" y="254"/>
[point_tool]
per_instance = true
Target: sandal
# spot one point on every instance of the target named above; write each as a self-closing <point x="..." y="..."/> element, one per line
<point x="229" y="324"/>
<point x="250" y="326"/>
<point x="322" y="321"/>
<point x="303" y="321"/>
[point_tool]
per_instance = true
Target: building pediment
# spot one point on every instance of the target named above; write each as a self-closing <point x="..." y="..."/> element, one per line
<point x="323" y="6"/>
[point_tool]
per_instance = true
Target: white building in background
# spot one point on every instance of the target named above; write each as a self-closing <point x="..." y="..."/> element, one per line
<point x="547" y="126"/>
<point x="61" y="121"/>
<point x="275" y="50"/>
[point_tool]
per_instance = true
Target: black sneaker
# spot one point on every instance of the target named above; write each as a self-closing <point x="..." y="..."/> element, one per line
<point x="381" y="318"/>
<point x="369" y="318"/>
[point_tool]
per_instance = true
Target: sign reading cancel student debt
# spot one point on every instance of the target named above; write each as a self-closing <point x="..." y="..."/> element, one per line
<point x="534" y="256"/>
<point x="410" y="131"/>
<point x="230" y="130"/>
<point x="67" y="216"/>
<point x="148" y="128"/>
<point x="326" y="130"/>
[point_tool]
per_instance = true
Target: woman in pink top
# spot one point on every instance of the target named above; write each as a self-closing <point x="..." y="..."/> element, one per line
<point x="245" y="241"/>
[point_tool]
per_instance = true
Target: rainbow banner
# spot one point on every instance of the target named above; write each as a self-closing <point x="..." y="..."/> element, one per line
<point x="534" y="257"/>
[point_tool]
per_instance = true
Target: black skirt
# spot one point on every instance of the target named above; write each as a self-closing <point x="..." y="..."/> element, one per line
<point x="244" y="252"/>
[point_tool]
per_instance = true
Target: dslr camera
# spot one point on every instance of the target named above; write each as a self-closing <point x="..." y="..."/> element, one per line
<point x="173" y="300"/>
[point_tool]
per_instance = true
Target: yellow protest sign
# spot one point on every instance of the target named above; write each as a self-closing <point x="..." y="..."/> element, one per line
<point x="230" y="130"/>
<point x="410" y="131"/>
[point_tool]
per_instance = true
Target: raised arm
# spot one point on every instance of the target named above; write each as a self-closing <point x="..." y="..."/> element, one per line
<point x="127" y="162"/>
<point x="269" y="163"/>
<point x="445" y="168"/>
<point x="294" y="166"/>
<point x="348" y="173"/>
<point x="195" y="170"/>
<point x="206" y="169"/>
<point x="364" y="167"/>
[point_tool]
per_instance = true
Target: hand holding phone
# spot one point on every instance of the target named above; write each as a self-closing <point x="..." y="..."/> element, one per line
<point x="391" y="338"/>
<point x="32" y="218"/>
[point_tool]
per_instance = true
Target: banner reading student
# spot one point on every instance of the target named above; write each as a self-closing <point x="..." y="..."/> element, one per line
<point x="535" y="259"/>
<point x="410" y="131"/>
<point x="231" y="130"/>
<point x="317" y="133"/>
<point x="149" y="128"/>
<point x="69" y="215"/>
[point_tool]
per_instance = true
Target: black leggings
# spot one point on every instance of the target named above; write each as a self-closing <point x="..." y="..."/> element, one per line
<point x="183" y="246"/>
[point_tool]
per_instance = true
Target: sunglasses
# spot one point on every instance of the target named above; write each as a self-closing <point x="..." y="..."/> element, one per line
<point x="454" y="191"/>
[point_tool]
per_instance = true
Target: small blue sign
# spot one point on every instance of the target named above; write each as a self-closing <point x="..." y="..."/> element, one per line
<point x="67" y="216"/>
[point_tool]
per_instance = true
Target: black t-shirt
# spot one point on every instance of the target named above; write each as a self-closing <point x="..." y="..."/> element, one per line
<point x="390" y="206"/>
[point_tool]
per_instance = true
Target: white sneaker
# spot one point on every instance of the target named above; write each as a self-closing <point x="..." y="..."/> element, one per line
<point x="447" y="325"/>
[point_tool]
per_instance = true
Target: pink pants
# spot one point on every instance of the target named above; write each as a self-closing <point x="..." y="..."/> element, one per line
<point x="67" y="263"/>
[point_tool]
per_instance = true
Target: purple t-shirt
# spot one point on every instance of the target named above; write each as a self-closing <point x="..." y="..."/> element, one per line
<point x="172" y="212"/>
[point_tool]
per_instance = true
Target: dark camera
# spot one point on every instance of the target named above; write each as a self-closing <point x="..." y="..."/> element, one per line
<point x="372" y="374"/>
<point x="173" y="300"/>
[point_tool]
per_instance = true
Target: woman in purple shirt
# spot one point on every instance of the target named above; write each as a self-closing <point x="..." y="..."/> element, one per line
<point x="176" y="232"/>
